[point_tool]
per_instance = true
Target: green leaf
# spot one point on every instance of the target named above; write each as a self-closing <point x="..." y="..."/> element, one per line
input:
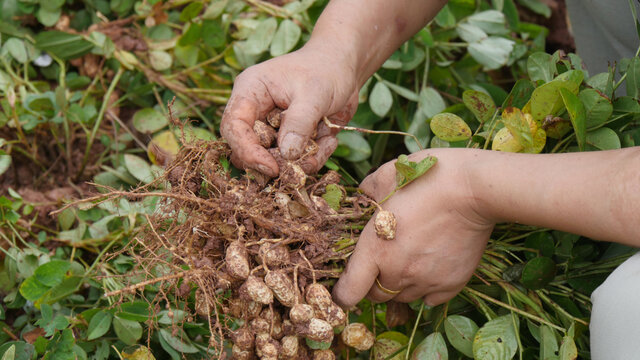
<point x="433" y="347"/>
<point x="389" y="343"/>
<point x="402" y="91"/>
<point x="99" y="325"/>
<point x="67" y="287"/>
<point x="52" y="273"/>
<point x="139" y="352"/>
<point x="520" y="94"/>
<point x="333" y="195"/>
<point x="182" y="343"/>
<point x="129" y="332"/>
<point x="450" y="127"/>
<point x="492" y="52"/>
<point x="506" y="142"/>
<point x="496" y="340"/>
<point x="541" y="241"/>
<point x="407" y="171"/>
<point x="10" y="354"/>
<point x="5" y="163"/>
<point x="538" y="272"/>
<point x="317" y="345"/>
<point x="48" y="17"/>
<point x="431" y="102"/>
<point x="359" y="148"/>
<point x="160" y="60"/>
<point x="32" y="289"/>
<point x="490" y="21"/>
<point x="633" y="78"/>
<point x="577" y="114"/>
<point x="23" y="350"/>
<point x="134" y="311"/>
<point x="149" y="120"/>
<point x="480" y="104"/>
<point x="546" y="99"/>
<point x="568" y="350"/>
<point x="420" y="129"/>
<point x="541" y="66"/>
<point x="537" y="7"/>
<point x="603" y="139"/>
<point x="63" y="45"/>
<point x="598" y="108"/>
<point x="286" y="38"/>
<point x="16" y="49"/>
<point x="261" y="37"/>
<point x="548" y="343"/>
<point x="138" y="167"/>
<point x="470" y="33"/>
<point x="460" y="331"/>
<point x="380" y="99"/>
<point x="216" y="36"/>
<point x="190" y="11"/>
<point x="445" y="18"/>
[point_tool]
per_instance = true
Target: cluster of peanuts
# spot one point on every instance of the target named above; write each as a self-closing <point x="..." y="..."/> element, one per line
<point x="305" y="324"/>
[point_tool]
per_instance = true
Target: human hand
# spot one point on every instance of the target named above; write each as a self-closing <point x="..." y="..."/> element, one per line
<point x="440" y="235"/>
<point x="308" y="85"/>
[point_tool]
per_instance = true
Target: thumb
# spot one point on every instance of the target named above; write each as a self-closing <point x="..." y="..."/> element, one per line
<point x="359" y="275"/>
<point x="298" y="125"/>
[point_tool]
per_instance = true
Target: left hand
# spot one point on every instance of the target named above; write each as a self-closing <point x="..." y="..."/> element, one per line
<point x="440" y="235"/>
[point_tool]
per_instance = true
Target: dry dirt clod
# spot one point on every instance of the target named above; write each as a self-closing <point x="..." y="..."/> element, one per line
<point x="237" y="260"/>
<point x="385" y="225"/>
<point x="301" y="313"/>
<point x="282" y="287"/>
<point x="357" y="336"/>
<point x="324" y="355"/>
<point x="258" y="291"/>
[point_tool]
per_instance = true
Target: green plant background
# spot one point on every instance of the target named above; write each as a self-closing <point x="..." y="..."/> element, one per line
<point x="456" y="76"/>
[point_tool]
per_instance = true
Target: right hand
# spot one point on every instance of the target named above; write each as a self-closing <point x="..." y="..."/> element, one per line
<point x="308" y="85"/>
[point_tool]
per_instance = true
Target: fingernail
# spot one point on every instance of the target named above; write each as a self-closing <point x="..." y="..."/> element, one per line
<point x="291" y="146"/>
<point x="265" y="170"/>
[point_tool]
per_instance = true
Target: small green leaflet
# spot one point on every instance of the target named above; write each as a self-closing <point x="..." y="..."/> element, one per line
<point x="407" y="171"/>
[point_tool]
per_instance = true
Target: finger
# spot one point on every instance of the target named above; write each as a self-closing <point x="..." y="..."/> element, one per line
<point x="412" y="293"/>
<point x="249" y="101"/>
<point x="384" y="289"/>
<point x="380" y="183"/>
<point x="341" y="118"/>
<point x="246" y="148"/>
<point x="326" y="147"/>
<point x="298" y="124"/>
<point x="439" y="297"/>
<point x="359" y="274"/>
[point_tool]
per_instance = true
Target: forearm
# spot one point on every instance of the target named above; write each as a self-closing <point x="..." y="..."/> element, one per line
<point x="595" y="194"/>
<point x="364" y="33"/>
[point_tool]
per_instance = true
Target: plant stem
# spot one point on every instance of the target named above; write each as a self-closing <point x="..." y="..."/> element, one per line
<point x="413" y="332"/>
<point x="511" y="308"/>
<point x="96" y="126"/>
